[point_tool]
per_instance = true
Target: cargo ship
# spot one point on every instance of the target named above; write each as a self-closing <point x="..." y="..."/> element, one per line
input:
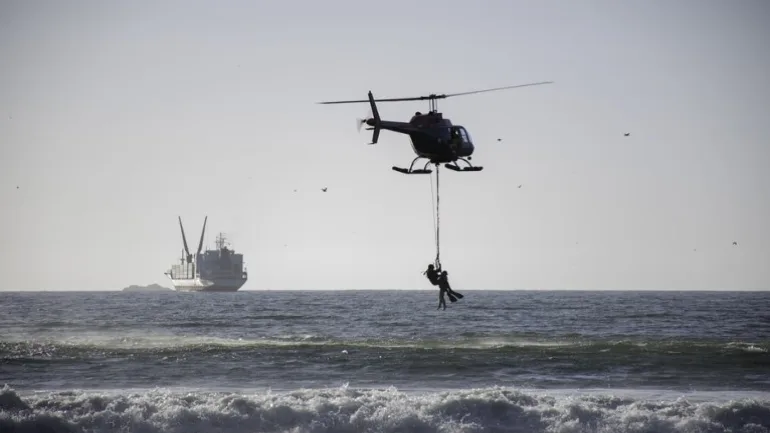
<point x="217" y="270"/>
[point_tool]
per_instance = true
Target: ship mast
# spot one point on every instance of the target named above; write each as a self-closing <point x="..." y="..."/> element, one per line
<point x="221" y="241"/>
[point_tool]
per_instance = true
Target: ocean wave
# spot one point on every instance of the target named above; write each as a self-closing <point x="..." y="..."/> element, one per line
<point x="105" y="345"/>
<point x="344" y="410"/>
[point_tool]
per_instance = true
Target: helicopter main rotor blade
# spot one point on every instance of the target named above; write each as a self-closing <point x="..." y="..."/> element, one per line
<point x="417" y="98"/>
<point x="496" y="88"/>
<point x="434" y="96"/>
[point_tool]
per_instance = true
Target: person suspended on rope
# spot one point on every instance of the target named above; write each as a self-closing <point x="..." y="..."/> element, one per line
<point x="443" y="284"/>
<point x="433" y="276"/>
<point x="444" y="288"/>
<point x="432" y="273"/>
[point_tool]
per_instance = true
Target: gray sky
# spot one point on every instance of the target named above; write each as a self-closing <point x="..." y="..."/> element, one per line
<point x="120" y="116"/>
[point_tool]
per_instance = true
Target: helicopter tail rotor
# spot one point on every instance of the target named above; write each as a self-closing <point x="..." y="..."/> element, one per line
<point x="361" y="122"/>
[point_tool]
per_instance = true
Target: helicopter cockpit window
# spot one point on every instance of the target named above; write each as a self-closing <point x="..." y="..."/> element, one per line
<point x="466" y="136"/>
<point x="461" y="133"/>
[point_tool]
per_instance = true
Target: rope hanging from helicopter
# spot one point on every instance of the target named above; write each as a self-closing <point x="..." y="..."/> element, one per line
<point x="436" y="216"/>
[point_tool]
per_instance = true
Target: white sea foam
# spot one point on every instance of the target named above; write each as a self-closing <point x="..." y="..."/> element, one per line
<point x="381" y="410"/>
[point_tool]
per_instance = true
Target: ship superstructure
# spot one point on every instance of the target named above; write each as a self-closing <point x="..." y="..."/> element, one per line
<point x="218" y="270"/>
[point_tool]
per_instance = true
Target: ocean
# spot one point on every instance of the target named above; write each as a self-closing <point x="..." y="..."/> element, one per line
<point x="385" y="361"/>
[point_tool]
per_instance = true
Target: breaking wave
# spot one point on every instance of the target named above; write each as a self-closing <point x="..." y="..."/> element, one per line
<point x="344" y="410"/>
<point x="170" y="345"/>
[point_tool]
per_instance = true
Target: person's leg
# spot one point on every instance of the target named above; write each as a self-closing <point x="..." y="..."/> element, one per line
<point x="455" y="294"/>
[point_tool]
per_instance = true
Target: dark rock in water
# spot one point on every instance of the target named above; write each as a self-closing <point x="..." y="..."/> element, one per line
<point x="150" y="288"/>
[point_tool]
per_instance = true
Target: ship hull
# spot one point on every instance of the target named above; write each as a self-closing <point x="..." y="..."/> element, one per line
<point x="199" y="285"/>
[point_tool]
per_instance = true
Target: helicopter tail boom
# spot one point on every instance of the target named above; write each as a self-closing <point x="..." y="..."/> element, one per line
<point x="376" y="121"/>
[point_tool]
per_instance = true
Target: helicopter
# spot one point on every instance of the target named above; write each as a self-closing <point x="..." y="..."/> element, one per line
<point x="433" y="136"/>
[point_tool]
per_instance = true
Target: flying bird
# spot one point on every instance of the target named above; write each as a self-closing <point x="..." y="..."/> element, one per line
<point x="735" y="243"/>
<point x="627" y="134"/>
<point x="323" y="189"/>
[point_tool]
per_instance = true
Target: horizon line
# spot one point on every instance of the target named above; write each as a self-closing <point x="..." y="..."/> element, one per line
<point x="400" y="290"/>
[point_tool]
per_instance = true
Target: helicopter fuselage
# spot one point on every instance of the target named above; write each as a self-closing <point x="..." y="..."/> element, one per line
<point x="433" y="137"/>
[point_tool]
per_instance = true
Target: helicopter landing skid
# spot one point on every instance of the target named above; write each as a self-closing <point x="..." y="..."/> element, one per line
<point x="408" y="171"/>
<point x="470" y="166"/>
<point x="412" y="170"/>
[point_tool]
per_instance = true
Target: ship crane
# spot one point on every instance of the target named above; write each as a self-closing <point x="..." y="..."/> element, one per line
<point x="200" y="244"/>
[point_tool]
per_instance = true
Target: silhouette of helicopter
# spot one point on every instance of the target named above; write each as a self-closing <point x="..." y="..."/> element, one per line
<point x="433" y="137"/>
